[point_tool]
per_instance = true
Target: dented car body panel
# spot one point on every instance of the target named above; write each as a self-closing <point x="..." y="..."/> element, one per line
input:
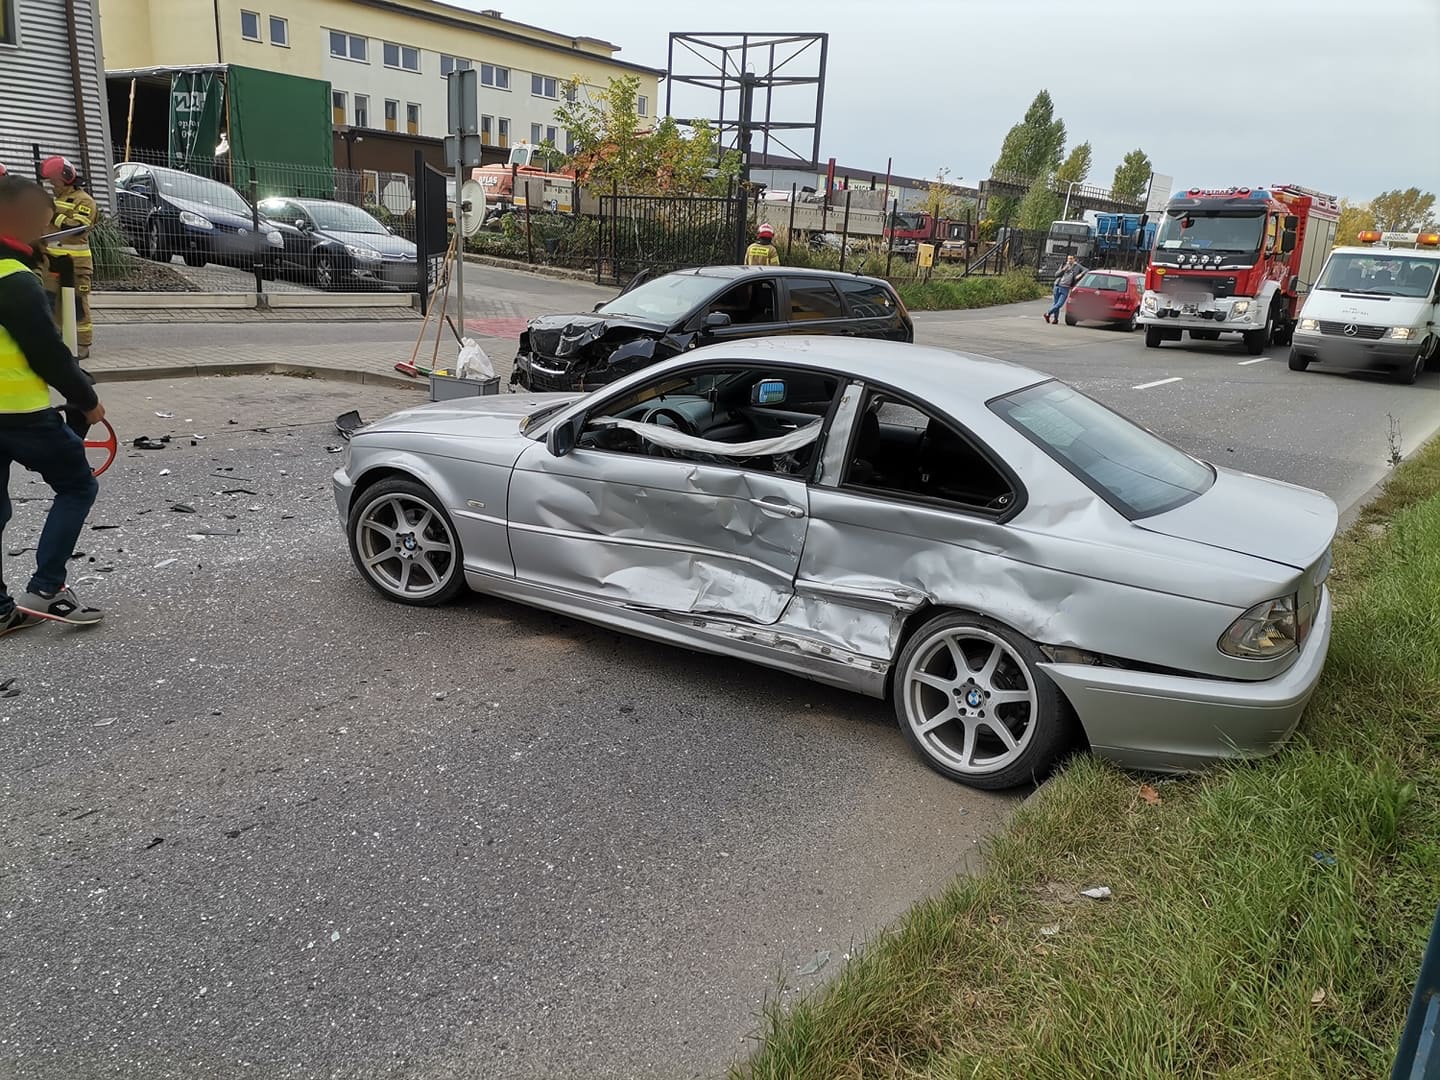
<point x="811" y="566"/>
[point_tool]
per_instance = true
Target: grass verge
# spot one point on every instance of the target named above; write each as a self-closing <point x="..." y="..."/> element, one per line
<point x="954" y="294"/>
<point x="1268" y="920"/>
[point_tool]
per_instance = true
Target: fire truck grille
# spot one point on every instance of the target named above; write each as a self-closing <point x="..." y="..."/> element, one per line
<point x="1216" y="286"/>
<point x="1369" y="333"/>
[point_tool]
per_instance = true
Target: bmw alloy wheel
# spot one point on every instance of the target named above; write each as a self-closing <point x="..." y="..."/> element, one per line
<point x="405" y="546"/>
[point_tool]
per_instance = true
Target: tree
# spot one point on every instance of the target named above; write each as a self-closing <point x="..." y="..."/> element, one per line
<point x="1040" y="207"/>
<point x="614" y="150"/>
<point x="942" y="202"/>
<point x="1076" y="166"/>
<point x="1353" y="218"/>
<point x="1410" y="210"/>
<point x="1132" y="177"/>
<point x="1031" y="150"/>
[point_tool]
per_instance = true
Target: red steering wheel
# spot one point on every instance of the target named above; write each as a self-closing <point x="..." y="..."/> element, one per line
<point x="110" y="443"/>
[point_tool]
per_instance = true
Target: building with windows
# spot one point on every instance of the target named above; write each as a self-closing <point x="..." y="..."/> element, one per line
<point x="386" y="60"/>
<point x="52" y="98"/>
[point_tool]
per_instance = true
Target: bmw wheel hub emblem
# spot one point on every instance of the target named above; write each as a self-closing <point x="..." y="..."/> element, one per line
<point x="974" y="698"/>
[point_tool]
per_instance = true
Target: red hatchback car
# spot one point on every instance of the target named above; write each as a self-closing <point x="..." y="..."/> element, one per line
<point x="1111" y="296"/>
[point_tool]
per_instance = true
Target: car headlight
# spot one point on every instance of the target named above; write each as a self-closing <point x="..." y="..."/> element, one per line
<point x="1148" y="304"/>
<point x="1239" y="308"/>
<point x="363" y="253"/>
<point x="195" y="221"/>
<point x="1401" y="333"/>
<point x="1264" y="632"/>
<point x="1309" y="324"/>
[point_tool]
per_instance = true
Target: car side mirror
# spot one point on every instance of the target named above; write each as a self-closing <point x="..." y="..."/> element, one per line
<point x="768" y="392"/>
<point x="716" y="319"/>
<point x="562" y="437"/>
<point x="1287" y="241"/>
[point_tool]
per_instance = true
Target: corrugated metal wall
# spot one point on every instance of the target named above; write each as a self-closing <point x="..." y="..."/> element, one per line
<point x="36" y="99"/>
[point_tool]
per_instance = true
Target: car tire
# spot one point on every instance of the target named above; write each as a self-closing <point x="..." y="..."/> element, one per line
<point x="324" y="272"/>
<point x="1410" y="375"/>
<point x="1152" y="337"/>
<point x="155" y="248"/>
<point x="1128" y="325"/>
<point x="194" y="258"/>
<point x="402" y="519"/>
<point x="968" y="745"/>
<point x="1070" y="320"/>
<point x="1298" y="362"/>
<point x="1430" y="350"/>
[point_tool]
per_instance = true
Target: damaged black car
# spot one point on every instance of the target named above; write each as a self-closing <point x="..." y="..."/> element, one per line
<point x="667" y="315"/>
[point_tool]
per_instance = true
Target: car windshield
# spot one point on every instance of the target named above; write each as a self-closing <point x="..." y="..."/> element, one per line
<point x="1107" y="282"/>
<point x="342" y="217"/>
<point x="1131" y="469"/>
<point x="1384" y="273"/>
<point x="198" y="189"/>
<point x="666" y="299"/>
<point x="1211" y="232"/>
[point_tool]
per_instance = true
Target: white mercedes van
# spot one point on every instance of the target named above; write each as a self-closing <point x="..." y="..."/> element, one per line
<point x="1373" y="307"/>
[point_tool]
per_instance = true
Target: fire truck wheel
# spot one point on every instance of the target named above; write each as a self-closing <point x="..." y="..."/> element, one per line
<point x="1152" y="337"/>
<point x="1298" y="362"/>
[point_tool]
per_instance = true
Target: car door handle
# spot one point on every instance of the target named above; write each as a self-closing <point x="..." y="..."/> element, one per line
<point x="775" y="506"/>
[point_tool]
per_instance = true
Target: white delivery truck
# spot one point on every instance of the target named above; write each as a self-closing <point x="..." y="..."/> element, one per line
<point x="1373" y="307"/>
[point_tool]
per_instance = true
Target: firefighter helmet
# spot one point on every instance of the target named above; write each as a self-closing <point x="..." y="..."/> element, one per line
<point x="58" y="170"/>
<point x="765" y="232"/>
<point x="3" y="170"/>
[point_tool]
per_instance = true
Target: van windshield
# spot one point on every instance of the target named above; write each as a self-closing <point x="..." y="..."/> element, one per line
<point x="1380" y="272"/>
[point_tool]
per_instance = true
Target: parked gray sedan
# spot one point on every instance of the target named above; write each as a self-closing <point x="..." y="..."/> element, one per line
<point x="1018" y="568"/>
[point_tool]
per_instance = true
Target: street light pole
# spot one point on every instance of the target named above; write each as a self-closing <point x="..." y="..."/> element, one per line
<point x="1065" y="214"/>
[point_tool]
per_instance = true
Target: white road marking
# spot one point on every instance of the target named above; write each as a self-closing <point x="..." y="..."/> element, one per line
<point x="1157" y="382"/>
<point x="1257" y="360"/>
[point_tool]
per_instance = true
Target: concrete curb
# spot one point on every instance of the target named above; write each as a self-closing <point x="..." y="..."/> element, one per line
<point x="170" y="301"/>
<point x="258" y="367"/>
<point x="528" y="268"/>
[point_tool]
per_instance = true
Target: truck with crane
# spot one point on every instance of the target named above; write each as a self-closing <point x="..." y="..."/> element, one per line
<point x="1236" y="260"/>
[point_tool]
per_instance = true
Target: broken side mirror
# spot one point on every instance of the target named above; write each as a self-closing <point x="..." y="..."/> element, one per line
<point x="716" y="319"/>
<point x="563" y="436"/>
<point x="768" y="392"/>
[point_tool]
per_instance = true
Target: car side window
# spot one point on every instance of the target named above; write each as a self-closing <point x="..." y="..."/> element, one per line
<point x="868" y="299"/>
<point x="812" y="300"/>
<point x="282" y="212"/>
<point x="142" y="180"/>
<point x="124" y="174"/>
<point x="748" y="304"/>
<point x="901" y="449"/>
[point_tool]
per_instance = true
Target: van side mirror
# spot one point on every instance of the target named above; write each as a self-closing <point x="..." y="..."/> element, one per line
<point x="1287" y="241"/>
<point x="563" y="436"/>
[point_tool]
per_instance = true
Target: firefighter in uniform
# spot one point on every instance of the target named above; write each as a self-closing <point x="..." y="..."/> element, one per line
<point x="73" y="207"/>
<point x="763" y="251"/>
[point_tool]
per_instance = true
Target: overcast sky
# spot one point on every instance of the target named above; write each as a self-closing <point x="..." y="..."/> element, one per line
<point x="1339" y="95"/>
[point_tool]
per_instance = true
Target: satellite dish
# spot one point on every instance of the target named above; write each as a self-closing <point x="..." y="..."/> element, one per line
<point x="472" y="207"/>
<point x="396" y="197"/>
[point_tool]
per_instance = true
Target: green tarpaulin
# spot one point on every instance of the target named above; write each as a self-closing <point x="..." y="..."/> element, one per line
<point x="197" y="101"/>
<point x="281" y="125"/>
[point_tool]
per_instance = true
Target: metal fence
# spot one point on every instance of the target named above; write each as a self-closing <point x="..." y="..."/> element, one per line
<point x="658" y="234"/>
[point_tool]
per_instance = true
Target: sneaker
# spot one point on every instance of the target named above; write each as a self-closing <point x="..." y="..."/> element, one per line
<point x="16" y="620"/>
<point x="63" y="606"/>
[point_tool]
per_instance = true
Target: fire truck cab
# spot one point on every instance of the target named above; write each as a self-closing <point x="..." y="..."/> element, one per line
<point x="1236" y="260"/>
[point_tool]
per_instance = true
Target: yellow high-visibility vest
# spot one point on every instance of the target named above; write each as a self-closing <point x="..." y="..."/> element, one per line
<point x="21" y="390"/>
<point x="762" y="255"/>
<point x="75" y="207"/>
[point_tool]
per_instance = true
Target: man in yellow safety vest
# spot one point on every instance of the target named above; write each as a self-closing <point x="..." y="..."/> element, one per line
<point x="763" y="252"/>
<point x="74" y="208"/>
<point x="33" y="358"/>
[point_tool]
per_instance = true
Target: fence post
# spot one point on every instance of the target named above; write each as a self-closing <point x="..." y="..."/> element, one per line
<point x="422" y="248"/>
<point x="890" y="239"/>
<point x="529" y="239"/>
<point x="845" y="230"/>
<point x="790" y="235"/>
<point x="255" y="228"/>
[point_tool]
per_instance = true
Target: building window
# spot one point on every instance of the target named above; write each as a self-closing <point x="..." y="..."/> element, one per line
<point x="338" y="102"/>
<point x="401" y="56"/>
<point x="487" y="130"/>
<point x="392" y="116"/>
<point x="498" y="77"/>
<point x="642" y="105"/>
<point x="279" y="31"/>
<point x="570" y="143"/>
<point x="544" y="86"/>
<point x="552" y="135"/>
<point x="349" y="47"/>
<point x="453" y="63"/>
<point x="504" y="131"/>
<point x="412" y="118"/>
<point x="9" y="31"/>
<point x="362" y="110"/>
<point x="250" y="25"/>
<point x="535" y="133"/>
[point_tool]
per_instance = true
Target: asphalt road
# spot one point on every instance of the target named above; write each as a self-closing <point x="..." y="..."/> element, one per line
<point x="262" y="822"/>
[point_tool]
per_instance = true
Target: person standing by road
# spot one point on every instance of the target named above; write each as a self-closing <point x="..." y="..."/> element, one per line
<point x="74" y="208"/>
<point x="33" y="358"/>
<point x="1065" y="280"/>
<point x="763" y="251"/>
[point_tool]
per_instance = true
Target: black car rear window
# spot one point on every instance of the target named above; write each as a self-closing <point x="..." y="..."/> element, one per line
<point x="814" y="300"/>
<point x="868" y="299"/>
<point x="1137" y="473"/>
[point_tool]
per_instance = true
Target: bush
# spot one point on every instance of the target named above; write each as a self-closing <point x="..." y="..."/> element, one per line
<point x="107" y="251"/>
<point x="954" y="294"/>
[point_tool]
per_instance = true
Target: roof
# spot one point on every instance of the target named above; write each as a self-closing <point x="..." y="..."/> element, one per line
<point x="730" y="272"/>
<point x="934" y="375"/>
<point x="1381" y="250"/>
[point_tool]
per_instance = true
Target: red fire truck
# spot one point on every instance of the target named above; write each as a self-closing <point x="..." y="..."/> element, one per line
<point x="1237" y="260"/>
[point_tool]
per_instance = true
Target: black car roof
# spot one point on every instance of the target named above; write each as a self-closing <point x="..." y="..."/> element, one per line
<point x="731" y="273"/>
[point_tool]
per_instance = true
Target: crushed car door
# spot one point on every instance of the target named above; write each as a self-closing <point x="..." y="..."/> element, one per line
<point x="680" y="536"/>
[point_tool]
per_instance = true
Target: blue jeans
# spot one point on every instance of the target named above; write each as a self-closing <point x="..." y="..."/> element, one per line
<point x="1062" y="293"/>
<point x="48" y="446"/>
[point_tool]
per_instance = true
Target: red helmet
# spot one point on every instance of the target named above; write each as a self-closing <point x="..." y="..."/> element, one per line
<point x="765" y="232"/>
<point x="3" y="170"/>
<point x="57" y="170"/>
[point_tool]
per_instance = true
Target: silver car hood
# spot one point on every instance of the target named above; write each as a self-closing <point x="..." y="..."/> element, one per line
<point x="1251" y="515"/>
<point x="493" y="416"/>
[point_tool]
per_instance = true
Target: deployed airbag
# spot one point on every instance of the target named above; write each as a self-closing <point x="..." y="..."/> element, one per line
<point x="671" y="439"/>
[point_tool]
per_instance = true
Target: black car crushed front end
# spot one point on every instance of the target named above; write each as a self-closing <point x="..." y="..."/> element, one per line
<point x="568" y="353"/>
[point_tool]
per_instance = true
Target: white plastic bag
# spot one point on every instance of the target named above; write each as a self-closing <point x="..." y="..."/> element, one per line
<point x="473" y="363"/>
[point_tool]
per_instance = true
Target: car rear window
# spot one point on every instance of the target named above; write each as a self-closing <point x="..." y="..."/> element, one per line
<point x="868" y="299"/>
<point x="814" y="300"/>
<point x="1137" y="473"/>
<point x="1107" y="282"/>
